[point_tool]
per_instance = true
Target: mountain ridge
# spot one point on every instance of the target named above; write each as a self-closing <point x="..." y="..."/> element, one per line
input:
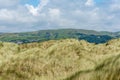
<point x="45" y="35"/>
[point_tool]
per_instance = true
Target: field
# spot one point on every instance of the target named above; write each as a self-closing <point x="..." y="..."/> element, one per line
<point x="67" y="59"/>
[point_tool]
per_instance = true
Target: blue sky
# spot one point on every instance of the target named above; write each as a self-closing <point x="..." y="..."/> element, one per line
<point x="100" y="1"/>
<point x="31" y="2"/>
<point x="32" y="15"/>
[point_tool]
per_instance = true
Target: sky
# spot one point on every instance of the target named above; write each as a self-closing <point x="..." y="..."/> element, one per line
<point x="33" y="15"/>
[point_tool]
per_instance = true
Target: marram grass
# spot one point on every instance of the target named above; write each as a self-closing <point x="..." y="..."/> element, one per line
<point x="67" y="59"/>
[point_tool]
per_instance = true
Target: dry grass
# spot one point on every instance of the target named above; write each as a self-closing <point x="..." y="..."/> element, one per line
<point x="68" y="59"/>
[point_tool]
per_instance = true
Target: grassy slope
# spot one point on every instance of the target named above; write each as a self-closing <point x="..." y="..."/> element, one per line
<point x="68" y="59"/>
<point x="45" y="35"/>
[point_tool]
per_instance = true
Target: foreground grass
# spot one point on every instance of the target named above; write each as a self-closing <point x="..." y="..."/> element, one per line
<point x="60" y="60"/>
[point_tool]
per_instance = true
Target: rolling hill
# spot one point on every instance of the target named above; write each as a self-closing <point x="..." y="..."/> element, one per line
<point x="45" y="35"/>
<point x="68" y="59"/>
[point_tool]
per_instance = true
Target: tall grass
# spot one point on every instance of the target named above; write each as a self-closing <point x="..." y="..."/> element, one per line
<point x="67" y="59"/>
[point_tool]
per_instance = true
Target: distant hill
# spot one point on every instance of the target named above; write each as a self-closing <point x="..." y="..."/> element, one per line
<point x="45" y="35"/>
<point x="67" y="59"/>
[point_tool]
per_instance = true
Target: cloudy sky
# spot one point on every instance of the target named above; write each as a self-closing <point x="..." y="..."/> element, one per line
<point x="31" y="15"/>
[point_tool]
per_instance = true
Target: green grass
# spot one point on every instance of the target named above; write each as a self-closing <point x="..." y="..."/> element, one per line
<point x="67" y="59"/>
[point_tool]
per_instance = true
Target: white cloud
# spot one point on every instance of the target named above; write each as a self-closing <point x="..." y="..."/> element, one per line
<point x="115" y="7"/>
<point x="6" y="15"/>
<point x="83" y="14"/>
<point x="15" y="16"/>
<point x="42" y="4"/>
<point x="35" y="10"/>
<point x="89" y="3"/>
<point x="32" y="10"/>
<point x="54" y="13"/>
<point x="8" y="3"/>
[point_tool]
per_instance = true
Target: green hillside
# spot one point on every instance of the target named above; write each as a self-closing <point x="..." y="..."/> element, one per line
<point x="45" y="35"/>
<point x="67" y="59"/>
